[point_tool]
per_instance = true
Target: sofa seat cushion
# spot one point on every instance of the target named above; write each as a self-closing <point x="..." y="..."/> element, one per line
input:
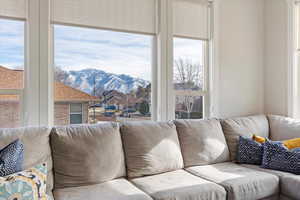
<point x="243" y="126"/>
<point x="118" y="189"/>
<point x="179" y="185"/>
<point x="290" y="186"/>
<point x="202" y="142"/>
<point x="151" y="148"/>
<point x="241" y="183"/>
<point x="289" y="183"/>
<point x="87" y="154"/>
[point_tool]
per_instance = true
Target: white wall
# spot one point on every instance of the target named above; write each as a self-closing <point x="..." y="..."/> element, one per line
<point x="276" y="84"/>
<point x="241" y="57"/>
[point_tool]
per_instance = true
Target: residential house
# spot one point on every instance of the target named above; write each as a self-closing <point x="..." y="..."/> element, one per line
<point x="70" y="105"/>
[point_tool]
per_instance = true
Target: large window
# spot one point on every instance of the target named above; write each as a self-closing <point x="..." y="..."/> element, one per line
<point x="189" y="74"/>
<point x="107" y="72"/>
<point x="11" y="72"/>
<point x="107" y="57"/>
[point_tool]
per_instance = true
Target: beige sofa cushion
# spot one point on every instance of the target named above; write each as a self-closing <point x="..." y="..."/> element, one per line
<point x="289" y="183"/>
<point x="36" y="148"/>
<point x="290" y="186"/>
<point x="239" y="182"/>
<point x="202" y="142"/>
<point x="118" y="189"/>
<point x="179" y="185"/>
<point x="87" y="154"/>
<point x="243" y="126"/>
<point x="151" y="148"/>
<point x="283" y="128"/>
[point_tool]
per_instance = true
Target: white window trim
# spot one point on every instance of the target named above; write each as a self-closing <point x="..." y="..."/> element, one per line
<point x="204" y="93"/>
<point x="292" y="61"/>
<point x="165" y="91"/>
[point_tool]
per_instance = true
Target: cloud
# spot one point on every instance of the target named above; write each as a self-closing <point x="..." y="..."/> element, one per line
<point x="80" y="48"/>
<point x="12" y="43"/>
<point x="114" y="52"/>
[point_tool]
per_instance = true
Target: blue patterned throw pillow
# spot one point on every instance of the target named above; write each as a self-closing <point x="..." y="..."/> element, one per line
<point x="249" y="151"/>
<point x="276" y="156"/>
<point x="11" y="158"/>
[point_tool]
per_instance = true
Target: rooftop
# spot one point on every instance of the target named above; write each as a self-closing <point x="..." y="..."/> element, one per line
<point x="13" y="79"/>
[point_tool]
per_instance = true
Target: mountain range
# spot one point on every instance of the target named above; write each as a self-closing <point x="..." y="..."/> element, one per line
<point x="88" y="79"/>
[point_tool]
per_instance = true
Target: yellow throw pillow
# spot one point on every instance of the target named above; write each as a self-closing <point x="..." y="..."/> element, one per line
<point x="290" y="144"/>
<point x="258" y="139"/>
<point x="293" y="143"/>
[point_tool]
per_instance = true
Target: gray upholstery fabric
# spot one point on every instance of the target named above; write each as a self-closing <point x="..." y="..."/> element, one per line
<point x="283" y="128"/>
<point x="179" y="185"/>
<point x="202" y="142"/>
<point x="241" y="183"/>
<point x="36" y="147"/>
<point x="275" y="172"/>
<point x="118" y="189"/>
<point x="290" y="186"/>
<point x="274" y="197"/>
<point x="244" y="126"/>
<point x="151" y="148"/>
<point x="87" y="154"/>
<point x="289" y="183"/>
<point x="283" y="197"/>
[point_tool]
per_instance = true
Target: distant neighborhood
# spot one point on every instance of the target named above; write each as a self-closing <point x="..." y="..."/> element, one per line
<point x="74" y="106"/>
<point x="92" y="96"/>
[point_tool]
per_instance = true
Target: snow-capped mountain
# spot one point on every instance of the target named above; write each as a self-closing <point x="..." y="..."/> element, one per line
<point x="87" y="79"/>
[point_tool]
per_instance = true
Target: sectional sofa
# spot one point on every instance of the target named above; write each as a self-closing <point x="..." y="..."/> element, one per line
<point x="179" y="160"/>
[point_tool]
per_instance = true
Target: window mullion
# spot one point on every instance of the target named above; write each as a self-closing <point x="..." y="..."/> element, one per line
<point x="31" y="91"/>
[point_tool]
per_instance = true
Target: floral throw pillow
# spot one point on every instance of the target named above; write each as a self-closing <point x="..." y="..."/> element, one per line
<point x="29" y="184"/>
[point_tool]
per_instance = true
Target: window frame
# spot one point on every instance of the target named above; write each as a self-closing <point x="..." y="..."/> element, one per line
<point x="38" y="93"/>
<point x="153" y="61"/>
<point x="204" y="93"/>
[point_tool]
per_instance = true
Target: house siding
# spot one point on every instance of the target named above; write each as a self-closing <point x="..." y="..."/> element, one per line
<point x="62" y="113"/>
<point x="10" y="114"/>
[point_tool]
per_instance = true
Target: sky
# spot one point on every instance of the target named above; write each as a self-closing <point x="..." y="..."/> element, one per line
<point x="77" y="48"/>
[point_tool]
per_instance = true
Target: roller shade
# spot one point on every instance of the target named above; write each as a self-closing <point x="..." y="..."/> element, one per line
<point x="191" y="18"/>
<point x="125" y="15"/>
<point x="13" y="8"/>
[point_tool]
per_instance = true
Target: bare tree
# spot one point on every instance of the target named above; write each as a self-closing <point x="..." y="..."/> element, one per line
<point x="188" y="76"/>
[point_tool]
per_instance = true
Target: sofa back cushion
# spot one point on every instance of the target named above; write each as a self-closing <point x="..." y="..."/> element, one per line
<point x="243" y="126"/>
<point x="202" y="142"/>
<point x="151" y="148"/>
<point x="283" y="128"/>
<point x="36" y="148"/>
<point x="87" y="154"/>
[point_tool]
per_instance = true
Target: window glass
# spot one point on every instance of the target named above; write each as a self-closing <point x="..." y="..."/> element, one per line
<point x="189" y="78"/>
<point x="108" y="72"/>
<point x="11" y="72"/>
<point x="76" y="119"/>
<point x="76" y="108"/>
